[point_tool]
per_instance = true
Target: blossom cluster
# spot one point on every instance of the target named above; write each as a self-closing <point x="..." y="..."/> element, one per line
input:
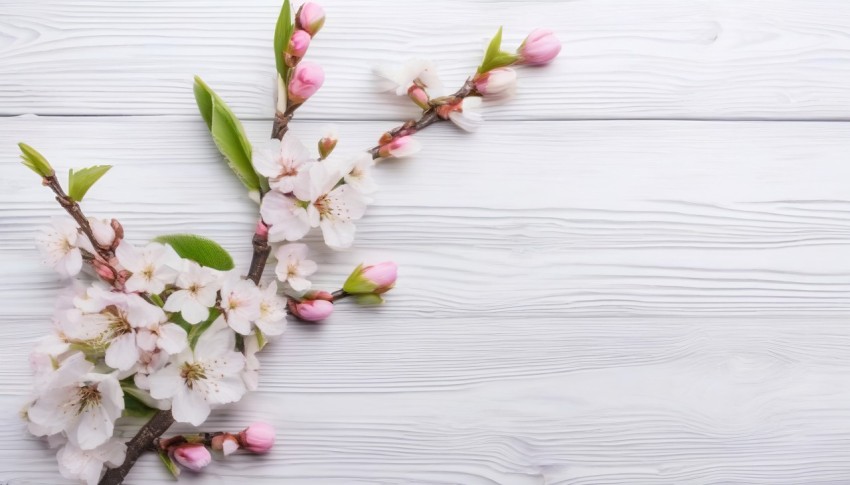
<point x="164" y="333"/>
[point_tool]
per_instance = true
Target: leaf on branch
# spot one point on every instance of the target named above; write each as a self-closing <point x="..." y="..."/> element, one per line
<point x="282" y="34"/>
<point x="495" y="57"/>
<point x="135" y="404"/>
<point x="169" y="463"/>
<point x="80" y="182"/>
<point x="201" y="250"/>
<point x="227" y="133"/>
<point x="35" y="161"/>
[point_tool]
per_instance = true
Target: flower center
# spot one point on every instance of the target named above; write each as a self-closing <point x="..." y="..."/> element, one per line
<point x="192" y="373"/>
<point x="88" y="397"/>
<point x="118" y="323"/>
<point x="148" y="272"/>
<point x="194" y="288"/>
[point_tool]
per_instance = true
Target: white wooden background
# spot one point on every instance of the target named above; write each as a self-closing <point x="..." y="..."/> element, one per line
<point x="638" y="272"/>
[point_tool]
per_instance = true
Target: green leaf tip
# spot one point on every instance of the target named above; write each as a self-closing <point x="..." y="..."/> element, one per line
<point x="495" y="57"/>
<point x="81" y="181"/>
<point x="35" y="161"/>
<point x="201" y="250"/>
<point x="282" y="33"/>
<point x="227" y="132"/>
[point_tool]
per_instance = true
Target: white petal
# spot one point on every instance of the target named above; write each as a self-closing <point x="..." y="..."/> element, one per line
<point x="166" y="382"/>
<point x="338" y="235"/>
<point x="122" y="353"/>
<point x="190" y="407"/>
<point x="299" y="284"/>
<point x="172" y="338"/>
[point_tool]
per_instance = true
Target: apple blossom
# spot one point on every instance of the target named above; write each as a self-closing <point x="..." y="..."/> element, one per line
<point x="59" y="246"/>
<point x="196" y="294"/>
<point x="196" y="380"/>
<point x="307" y="78"/>
<point x="286" y="216"/>
<point x="293" y="267"/>
<point x="281" y="161"/>
<point x="311" y="17"/>
<point x="540" y="47"/>
<point x="240" y="300"/>
<point x="87" y="465"/>
<point x="257" y="438"/>
<point x="153" y="266"/>
<point x="193" y="456"/>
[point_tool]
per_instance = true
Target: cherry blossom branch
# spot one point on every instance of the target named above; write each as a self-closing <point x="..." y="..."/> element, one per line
<point x="75" y="211"/>
<point x="144" y="439"/>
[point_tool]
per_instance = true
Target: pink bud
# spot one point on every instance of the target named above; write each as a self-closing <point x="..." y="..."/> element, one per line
<point x="193" y="456"/>
<point x="257" y="438"/>
<point x="311" y="310"/>
<point x="328" y="142"/>
<point x="498" y="82"/>
<point x="419" y="96"/>
<point x="540" y="47"/>
<point x="104" y="270"/>
<point x="298" y="43"/>
<point x="225" y="443"/>
<point x="382" y="275"/>
<point x="306" y="80"/>
<point x="262" y="229"/>
<point x="401" y="146"/>
<point x="311" y="17"/>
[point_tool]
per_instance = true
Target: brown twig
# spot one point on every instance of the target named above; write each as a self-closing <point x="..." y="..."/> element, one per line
<point x="153" y="429"/>
<point x="73" y="208"/>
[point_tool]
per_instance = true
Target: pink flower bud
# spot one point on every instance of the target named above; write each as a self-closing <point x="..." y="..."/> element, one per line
<point x="104" y="270"/>
<point x="328" y="142"/>
<point x="419" y="96"/>
<point x="225" y="443"/>
<point x="193" y="456"/>
<point x="495" y="83"/>
<point x="257" y="438"/>
<point x="103" y="231"/>
<point x="401" y="146"/>
<point x="262" y="229"/>
<point x="310" y="17"/>
<point x="540" y="47"/>
<point x="298" y="43"/>
<point x="369" y="282"/>
<point x="306" y="80"/>
<point x="311" y="310"/>
<point x="118" y="229"/>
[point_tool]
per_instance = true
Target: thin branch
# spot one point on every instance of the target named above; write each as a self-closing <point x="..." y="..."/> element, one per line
<point x="73" y="208"/>
<point x="153" y="429"/>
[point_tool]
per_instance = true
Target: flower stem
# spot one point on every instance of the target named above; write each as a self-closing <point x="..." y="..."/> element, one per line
<point x="73" y="208"/>
<point x="153" y="429"/>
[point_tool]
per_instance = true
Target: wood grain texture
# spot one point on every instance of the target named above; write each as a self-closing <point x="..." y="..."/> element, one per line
<point x="706" y="59"/>
<point x="580" y="302"/>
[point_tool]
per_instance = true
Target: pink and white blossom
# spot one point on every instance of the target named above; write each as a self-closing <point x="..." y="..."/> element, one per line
<point x="59" y="246"/>
<point x="400" y="146"/>
<point x="153" y="267"/>
<point x="293" y="267"/>
<point x="468" y="116"/>
<point x="87" y="465"/>
<point x="286" y="216"/>
<point x="240" y="300"/>
<point x="272" y="320"/>
<point x="196" y="294"/>
<point x="419" y="72"/>
<point x="357" y="172"/>
<point x="498" y="83"/>
<point x="281" y="161"/>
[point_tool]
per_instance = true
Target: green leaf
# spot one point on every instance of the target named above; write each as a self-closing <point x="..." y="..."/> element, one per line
<point x="134" y="401"/>
<point x="80" y="182"/>
<point x="282" y="33"/>
<point x="35" y="161"/>
<point x="197" y="330"/>
<point x="201" y="250"/>
<point x="370" y="299"/>
<point x="169" y="463"/>
<point x="495" y="57"/>
<point x="227" y="132"/>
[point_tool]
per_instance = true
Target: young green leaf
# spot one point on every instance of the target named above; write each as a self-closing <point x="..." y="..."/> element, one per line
<point x="282" y="33"/>
<point x="135" y="408"/>
<point x="35" y="161"/>
<point x="495" y="57"/>
<point x="80" y="182"/>
<point x="169" y="463"/>
<point x="201" y="250"/>
<point x="227" y="132"/>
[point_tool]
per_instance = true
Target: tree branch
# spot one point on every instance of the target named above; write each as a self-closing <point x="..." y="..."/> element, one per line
<point x="73" y="208"/>
<point x="153" y="429"/>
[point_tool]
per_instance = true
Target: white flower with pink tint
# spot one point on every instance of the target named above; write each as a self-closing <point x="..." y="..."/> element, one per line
<point x="281" y="161"/>
<point x="79" y="402"/>
<point x="197" y="288"/>
<point x="272" y="320"/>
<point x="540" y="47"/>
<point x="59" y="246"/>
<point x="293" y="267"/>
<point x="331" y="207"/>
<point x="153" y="267"/>
<point x="498" y="83"/>
<point x="419" y="72"/>
<point x="197" y="380"/>
<point x="468" y="116"/>
<point x="87" y="465"/>
<point x="286" y="216"/>
<point x="400" y="146"/>
<point x="240" y="301"/>
<point x="357" y="172"/>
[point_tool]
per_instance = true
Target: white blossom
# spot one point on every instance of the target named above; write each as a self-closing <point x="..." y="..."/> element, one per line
<point x="87" y="465"/>
<point x="59" y="246"/>
<point x="468" y="117"/>
<point x="197" y="293"/>
<point x="197" y="380"/>
<point x="272" y="320"/>
<point x="293" y="267"/>
<point x="331" y="207"/>
<point x="415" y="71"/>
<point x="357" y="172"/>
<point x="281" y="161"/>
<point x="286" y="215"/>
<point x="240" y="300"/>
<point x="153" y="266"/>
<point x="79" y="402"/>
<point x="251" y="374"/>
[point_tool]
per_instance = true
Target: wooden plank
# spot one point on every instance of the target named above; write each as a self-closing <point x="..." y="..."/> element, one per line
<point x="579" y="302"/>
<point x="721" y="59"/>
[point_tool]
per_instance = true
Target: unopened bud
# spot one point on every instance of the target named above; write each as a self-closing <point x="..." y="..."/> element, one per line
<point x="327" y="143"/>
<point x="103" y="232"/>
<point x="372" y="280"/>
<point x="400" y="147"/>
<point x="310" y="17"/>
<point x="225" y="443"/>
<point x="307" y="78"/>
<point x="106" y="272"/>
<point x="257" y="438"/>
<point x="262" y="229"/>
<point x="193" y="456"/>
<point x="298" y="44"/>
<point x="118" y="229"/>
<point x="540" y="47"/>
<point x="419" y="96"/>
<point x="496" y="83"/>
<point x="311" y="310"/>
